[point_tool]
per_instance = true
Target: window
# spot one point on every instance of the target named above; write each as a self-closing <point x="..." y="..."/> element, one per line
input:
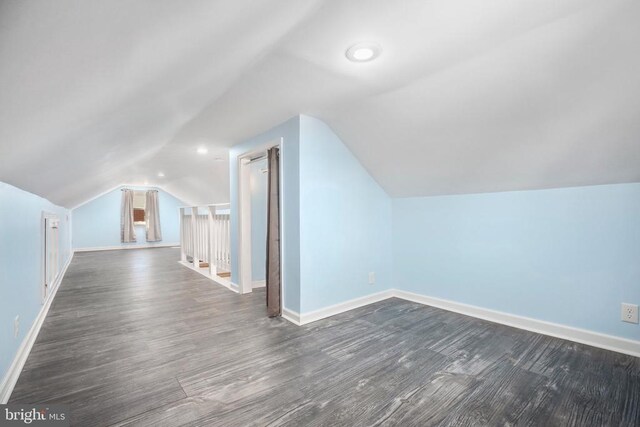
<point x="139" y="201"/>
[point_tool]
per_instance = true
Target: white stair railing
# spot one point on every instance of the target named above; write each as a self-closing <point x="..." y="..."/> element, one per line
<point x="205" y="236"/>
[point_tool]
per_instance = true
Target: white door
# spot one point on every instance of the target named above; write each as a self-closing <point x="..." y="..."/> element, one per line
<point x="50" y="254"/>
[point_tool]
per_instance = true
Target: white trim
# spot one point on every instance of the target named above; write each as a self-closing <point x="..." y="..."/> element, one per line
<point x="115" y="248"/>
<point x="244" y="231"/>
<point x="13" y="373"/>
<point x="46" y="291"/>
<point x="156" y="187"/>
<point x="218" y="280"/>
<point x="291" y="316"/>
<point x="234" y="287"/>
<point x="259" y="284"/>
<point x="205" y="206"/>
<point x="332" y="310"/>
<point x="283" y="223"/>
<point x="244" y="216"/>
<point x="583" y="336"/>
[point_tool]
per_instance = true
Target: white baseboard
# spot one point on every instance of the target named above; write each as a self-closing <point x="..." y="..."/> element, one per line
<point x="583" y="336"/>
<point x="259" y="284"/>
<point x="216" y="279"/>
<point x="116" y="248"/>
<point x="291" y="316"/>
<point x="332" y="310"/>
<point x="13" y="373"/>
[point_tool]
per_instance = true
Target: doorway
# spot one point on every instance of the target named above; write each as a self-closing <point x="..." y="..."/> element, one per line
<point x="260" y="221"/>
<point x="259" y="183"/>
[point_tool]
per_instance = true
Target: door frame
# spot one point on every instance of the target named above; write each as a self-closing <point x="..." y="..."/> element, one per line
<point x="245" y="284"/>
<point x="47" y="289"/>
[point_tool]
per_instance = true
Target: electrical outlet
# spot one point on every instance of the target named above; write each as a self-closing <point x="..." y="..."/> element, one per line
<point x="16" y="326"/>
<point x="372" y="278"/>
<point x="629" y="313"/>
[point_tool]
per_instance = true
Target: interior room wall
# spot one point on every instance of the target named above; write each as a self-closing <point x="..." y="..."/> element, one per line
<point x="258" y="220"/>
<point x="335" y="234"/>
<point x="345" y="222"/>
<point x="289" y="132"/>
<point x="21" y="263"/>
<point x="569" y="256"/>
<point x="96" y="224"/>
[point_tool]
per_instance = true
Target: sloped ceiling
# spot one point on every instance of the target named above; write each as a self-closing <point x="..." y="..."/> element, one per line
<point x="467" y="96"/>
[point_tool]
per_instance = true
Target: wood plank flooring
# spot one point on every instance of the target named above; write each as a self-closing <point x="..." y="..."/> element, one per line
<point x="135" y="339"/>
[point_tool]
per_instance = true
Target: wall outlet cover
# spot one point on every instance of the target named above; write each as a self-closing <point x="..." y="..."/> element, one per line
<point x="372" y="278"/>
<point x="629" y="313"/>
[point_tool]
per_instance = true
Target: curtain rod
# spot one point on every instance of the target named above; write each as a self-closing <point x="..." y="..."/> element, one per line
<point x="256" y="159"/>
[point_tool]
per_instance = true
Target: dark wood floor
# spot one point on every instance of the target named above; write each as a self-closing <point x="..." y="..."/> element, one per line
<point x="133" y="338"/>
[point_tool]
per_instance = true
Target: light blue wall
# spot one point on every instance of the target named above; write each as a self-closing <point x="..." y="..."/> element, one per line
<point x="345" y="222"/>
<point x="569" y="256"/>
<point x="258" y="220"/>
<point x="336" y="218"/>
<point x="97" y="223"/>
<point x="21" y="263"/>
<point x="289" y="131"/>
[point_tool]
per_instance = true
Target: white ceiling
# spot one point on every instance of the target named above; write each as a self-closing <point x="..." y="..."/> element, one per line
<point x="467" y="96"/>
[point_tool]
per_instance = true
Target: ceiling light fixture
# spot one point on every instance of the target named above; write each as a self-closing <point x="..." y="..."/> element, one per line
<point x="161" y="174"/>
<point x="363" y="52"/>
<point x="202" y="150"/>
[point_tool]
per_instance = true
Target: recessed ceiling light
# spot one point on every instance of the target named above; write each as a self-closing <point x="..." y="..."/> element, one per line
<point x="202" y="150"/>
<point x="161" y="174"/>
<point x="363" y="52"/>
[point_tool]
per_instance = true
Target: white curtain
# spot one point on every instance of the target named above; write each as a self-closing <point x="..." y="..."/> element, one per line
<point x="152" y="217"/>
<point x="127" y="230"/>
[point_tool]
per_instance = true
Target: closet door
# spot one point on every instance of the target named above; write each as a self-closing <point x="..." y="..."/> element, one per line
<point x="51" y="256"/>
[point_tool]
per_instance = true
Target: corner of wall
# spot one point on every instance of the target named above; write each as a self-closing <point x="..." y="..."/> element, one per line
<point x="289" y="134"/>
<point x="345" y="221"/>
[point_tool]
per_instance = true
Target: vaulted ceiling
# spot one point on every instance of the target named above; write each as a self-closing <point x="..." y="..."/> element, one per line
<point x="467" y="96"/>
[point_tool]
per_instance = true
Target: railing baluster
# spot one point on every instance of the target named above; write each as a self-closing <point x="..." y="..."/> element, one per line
<point x="194" y="236"/>
<point x="182" y="242"/>
<point x="206" y="237"/>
